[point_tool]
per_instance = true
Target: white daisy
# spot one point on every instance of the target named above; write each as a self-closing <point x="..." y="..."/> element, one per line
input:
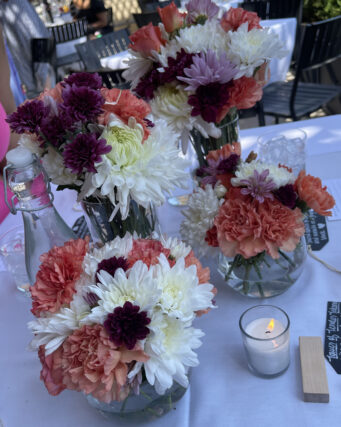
<point x="250" y="49"/>
<point x="53" y="329"/>
<point x="138" y="287"/>
<point x="280" y="176"/>
<point x="181" y="294"/>
<point x="170" y="347"/>
<point x="202" y="208"/>
<point x="138" y="66"/>
<point x="177" y="248"/>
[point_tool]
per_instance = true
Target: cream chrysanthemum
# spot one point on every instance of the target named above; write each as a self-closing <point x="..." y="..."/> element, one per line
<point x="280" y="176"/>
<point x="136" y="169"/>
<point x="139" y="288"/>
<point x="203" y="206"/>
<point x="250" y="49"/>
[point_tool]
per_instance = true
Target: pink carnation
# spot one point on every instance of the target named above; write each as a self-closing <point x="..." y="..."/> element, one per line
<point x="148" y="251"/>
<point x="247" y="227"/>
<point x="58" y="273"/>
<point x="91" y="363"/>
<point x="235" y="17"/>
<point x="125" y="105"/>
<point x="50" y="373"/>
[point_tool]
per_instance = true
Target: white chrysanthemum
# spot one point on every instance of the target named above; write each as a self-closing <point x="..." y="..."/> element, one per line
<point x="31" y="143"/>
<point x="119" y="247"/>
<point x="202" y="207"/>
<point x="171" y="104"/>
<point x="200" y="38"/>
<point x="249" y="49"/>
<point x="139" y="288"/>
<point x="52" y="330"/>
<point x="181" y="294"/>
<point x="137" y="169"/>
<point x="54" y="165"/>
<point x="138" y="66"/>
<point x="177" y="248"/>
<point x="170" y="347"/>
<point x="280" y="176"/>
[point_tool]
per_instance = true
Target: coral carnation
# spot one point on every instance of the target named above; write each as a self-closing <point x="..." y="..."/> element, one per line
<point x="58" y="273"/>
<point x="146" y="39"/>
<point x="225" y="152"/>
<point x="171" y="18"/>
<point x="235" y="17"/>
<point x="91" y="363"/>
<point x="148" y="251"/>
<point x="50" y="373"/>
<point x="310" y="190"/>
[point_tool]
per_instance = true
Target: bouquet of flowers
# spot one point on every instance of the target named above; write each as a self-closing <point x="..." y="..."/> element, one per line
<point x="250" y="212"/>
<point x="100" y="142"/>
<point x="110" y="318"/>
<point x="195" y="68"/>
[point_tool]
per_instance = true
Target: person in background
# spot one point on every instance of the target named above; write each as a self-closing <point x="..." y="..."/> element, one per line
<point x="94" y="12"/>
<point x="7" y="106"/>
<point x="20" y="24"/>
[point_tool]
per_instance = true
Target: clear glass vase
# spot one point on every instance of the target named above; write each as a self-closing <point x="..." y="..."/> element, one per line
<point x="229" y="127"/>
<point x="104" y="229"/>
<point x="262" y="276"/>
<point x="145" y="406"/>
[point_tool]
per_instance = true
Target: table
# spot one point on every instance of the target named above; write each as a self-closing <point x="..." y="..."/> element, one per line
<point x="223" y="392"/>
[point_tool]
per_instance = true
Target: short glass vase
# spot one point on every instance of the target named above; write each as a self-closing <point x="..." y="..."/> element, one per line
<point x="262" y="276"/>
<point x="145" y="406"/>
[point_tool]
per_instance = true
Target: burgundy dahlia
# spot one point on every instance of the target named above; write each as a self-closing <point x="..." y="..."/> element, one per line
<point x="91" y="80"/>
<point x="126" y="325"/>
<point x="28" y="117"/>
<point x="176" y="66"/>
<point x="54" y="128"/>
<point x="286" y="195"/>
<point x="84" y="151"/>
<point x="112" y="264"/>
<point x="148" y="84"/>
<point x="82" y="103"/>
<point x="208" y="100"/>
<point x="228" y="165"/>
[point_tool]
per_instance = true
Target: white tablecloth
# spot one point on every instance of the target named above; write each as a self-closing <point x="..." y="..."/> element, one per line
<point x="223" y="392"/>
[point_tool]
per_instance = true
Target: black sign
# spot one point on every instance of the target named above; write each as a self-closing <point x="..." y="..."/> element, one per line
<point x="332" y="342"/>
<point x="316" y="232"/>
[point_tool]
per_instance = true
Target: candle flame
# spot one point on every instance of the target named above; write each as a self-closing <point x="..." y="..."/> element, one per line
<point x="270" y="326"/>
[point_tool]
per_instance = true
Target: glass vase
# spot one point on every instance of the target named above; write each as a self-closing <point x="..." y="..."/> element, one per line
<point x="262" y="276"/>
<point x="145" y="406"/>
<point x="103" y="228"/>
<point x="229" y="127"/>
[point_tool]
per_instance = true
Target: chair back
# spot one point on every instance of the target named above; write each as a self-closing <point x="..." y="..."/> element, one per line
<point x="275" y="9"/>
<point x="69" y="31"/>
<point x="110" y="44"/>
<point x="152" y="5"/>
<point x="143" y="19"/>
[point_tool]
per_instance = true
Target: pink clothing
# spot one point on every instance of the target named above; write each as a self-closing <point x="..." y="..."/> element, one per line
<point x="4" y="142"/>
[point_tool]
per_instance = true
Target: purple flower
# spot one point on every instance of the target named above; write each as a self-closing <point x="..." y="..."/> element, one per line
<point x="258" y="186"/>
<point x="201" y="8"/>
<point x="176" y="67"/>
<point x="208" y="68"/>
<point x="286" y="195"/>
<point x="217" y="167"/>
<point x="84" y="151"/>
<point x="28" y="117"/>
<point x="81" y="103"/>
<point x="91" y="80"/>
<point x="91" y="298"/>
<point x="126" y="325"/>
<point x="54" y="128"/>
<point x="149" y="123"/>
<point x="209" y="100"/>
<point x="110" y="265"/>
<point x="148" y="84"/>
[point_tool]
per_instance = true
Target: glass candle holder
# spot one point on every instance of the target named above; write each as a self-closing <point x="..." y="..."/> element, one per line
<point x="265" y="332"/>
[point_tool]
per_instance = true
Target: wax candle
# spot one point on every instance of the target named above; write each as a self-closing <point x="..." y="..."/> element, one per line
<point x="266" y="340"/>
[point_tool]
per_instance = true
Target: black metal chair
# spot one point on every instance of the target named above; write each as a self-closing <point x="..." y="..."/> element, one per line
<point x="320" y="45"/>
<point x="152" y="5"/>
<point x="92" y="51"/>
<point x="143" y="19"/>
<point x="275" y="9"/>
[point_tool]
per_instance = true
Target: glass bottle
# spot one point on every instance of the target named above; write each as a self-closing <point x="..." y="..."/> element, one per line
<point x="44" y="228"/>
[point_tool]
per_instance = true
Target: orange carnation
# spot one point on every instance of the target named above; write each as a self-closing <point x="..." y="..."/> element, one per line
<point x="171" y="18"/>
<point x="310" y="190"/>
<point x="237" y="16"/>
<point x="225" y="152"/>
<point x="146" y="39"/>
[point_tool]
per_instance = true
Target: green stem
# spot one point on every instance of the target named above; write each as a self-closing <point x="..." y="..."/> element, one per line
<point x="124" y="404"/>
<point x="285" y="256"/>
<point x="260" y="289"/>
<point x="170" y="401"/>
<point x="246" y="284"/>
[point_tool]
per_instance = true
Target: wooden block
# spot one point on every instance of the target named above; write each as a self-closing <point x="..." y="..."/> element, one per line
<point x="314" y="376"/>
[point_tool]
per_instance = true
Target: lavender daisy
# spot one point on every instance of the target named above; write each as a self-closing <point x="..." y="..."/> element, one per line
<point x="82" y="103"/>
<point x="84" y="151"/>
<point x="200" y="10"/>
<point x="28" y="117"/>
<point x="208" y="68"/>
<point x="126" y="325"/>
<point x="217" y="167"/>
<point x="259" y="186"/>
<point x="91" y="80"/>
